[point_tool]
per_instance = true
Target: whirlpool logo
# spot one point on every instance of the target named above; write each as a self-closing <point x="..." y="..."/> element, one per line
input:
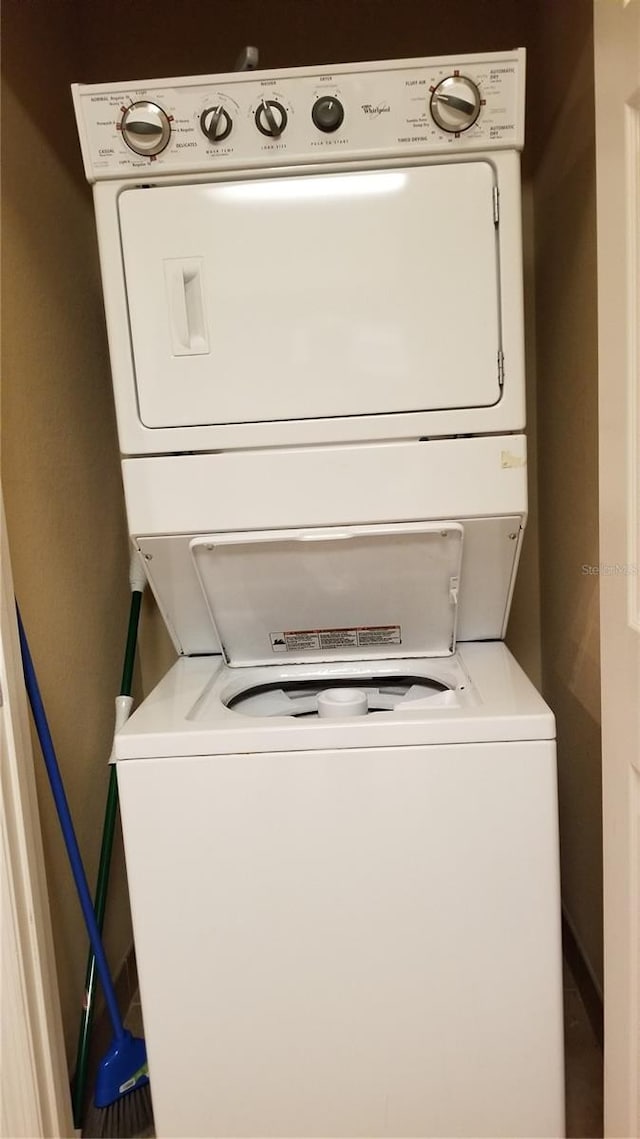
<point x="376" y="109"/>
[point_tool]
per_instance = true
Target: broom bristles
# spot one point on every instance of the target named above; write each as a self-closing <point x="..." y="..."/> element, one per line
<point x="128" y="1117"/>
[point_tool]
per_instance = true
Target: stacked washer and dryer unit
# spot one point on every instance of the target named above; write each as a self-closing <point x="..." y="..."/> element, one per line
<point x="339" y="805"/>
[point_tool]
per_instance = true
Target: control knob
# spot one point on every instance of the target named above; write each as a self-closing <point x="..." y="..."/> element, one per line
<point x="146" y="128"/>
<point x="455" y="104"/>
<point x="271" y="118"/>
<point x="215" y="123"/>
<point x="327" y="113"/>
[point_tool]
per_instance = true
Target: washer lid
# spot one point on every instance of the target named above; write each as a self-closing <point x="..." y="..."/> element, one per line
<point x="278" y="596"/>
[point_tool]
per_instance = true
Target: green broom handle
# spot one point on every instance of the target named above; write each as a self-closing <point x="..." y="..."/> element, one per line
<point x="132" y="640"/>
<point x="102" y="884"/>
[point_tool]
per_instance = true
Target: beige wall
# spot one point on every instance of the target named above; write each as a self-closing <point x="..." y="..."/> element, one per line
<point x="59" y="459"/>
<point x="523" y="633"/>
<point x="566" y="345"/>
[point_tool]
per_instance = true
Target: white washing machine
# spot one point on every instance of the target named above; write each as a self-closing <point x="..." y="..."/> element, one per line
<point x="349" y="926"/>
<point x="339" y="806"/>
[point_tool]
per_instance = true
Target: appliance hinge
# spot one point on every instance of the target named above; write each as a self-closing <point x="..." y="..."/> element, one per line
<point x="501" y="368"/>
<point x="496" y="206"/>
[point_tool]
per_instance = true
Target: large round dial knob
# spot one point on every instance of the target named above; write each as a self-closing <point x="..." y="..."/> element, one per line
<point x="145" y="128"/>
<point x="271" y="118"/>
<point x="455" y="104"/>
<point x="215" y="123"/>
<point x="327" y="113"/>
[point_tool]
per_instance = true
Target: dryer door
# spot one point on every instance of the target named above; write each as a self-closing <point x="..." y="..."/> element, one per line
<point x="313" y="296"/>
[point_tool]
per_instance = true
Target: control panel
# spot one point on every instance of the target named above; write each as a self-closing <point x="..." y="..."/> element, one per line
<point x="305" y="115"/>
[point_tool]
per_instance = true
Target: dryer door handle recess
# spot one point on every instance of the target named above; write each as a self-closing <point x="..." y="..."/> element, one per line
<point x="188" y="329"/>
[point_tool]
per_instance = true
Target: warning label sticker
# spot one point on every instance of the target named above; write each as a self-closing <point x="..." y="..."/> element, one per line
<point x="361" y="636"/>
<point x="380" y="635"/>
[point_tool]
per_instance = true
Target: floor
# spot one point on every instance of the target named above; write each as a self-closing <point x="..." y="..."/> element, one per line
<point x="583" y="1063"/>
<point x="583" y="1067"/>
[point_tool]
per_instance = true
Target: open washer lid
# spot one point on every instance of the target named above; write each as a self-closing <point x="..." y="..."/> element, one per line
<point x="332" y="593"/>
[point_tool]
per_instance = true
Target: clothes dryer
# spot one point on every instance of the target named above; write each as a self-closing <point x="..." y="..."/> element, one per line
<point x="311" y="255"/>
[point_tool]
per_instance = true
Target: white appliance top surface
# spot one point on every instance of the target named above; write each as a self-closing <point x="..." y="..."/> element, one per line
<point x="483" y="696"/>
<point x="253" y="119"/>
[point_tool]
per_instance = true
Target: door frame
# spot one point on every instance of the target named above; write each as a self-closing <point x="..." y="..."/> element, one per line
<point x="617" y="88"/>
<point x="35" y="1081"/>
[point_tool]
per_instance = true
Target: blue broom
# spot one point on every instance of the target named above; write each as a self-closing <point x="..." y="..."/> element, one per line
<point x="122" y="1099"/>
